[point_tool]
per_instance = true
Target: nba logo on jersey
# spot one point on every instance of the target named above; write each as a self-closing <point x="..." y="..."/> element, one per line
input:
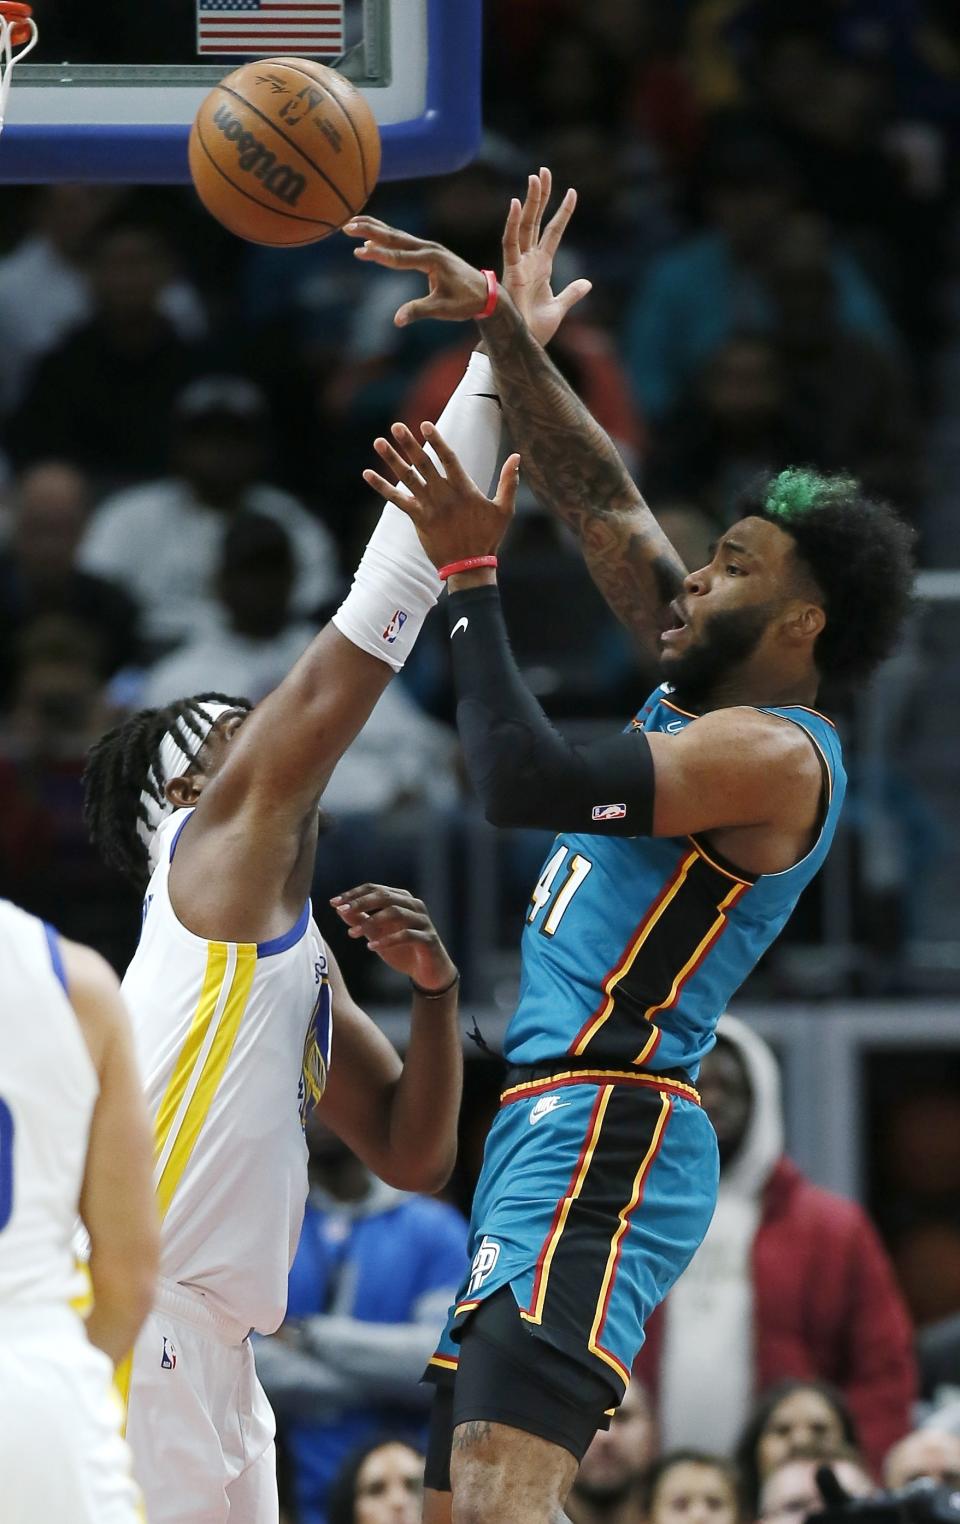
<point x="484" y="1262"/>
<point x="168" y="1360"/>
<point x="397" y="622"/>
<point x="608" y="812"/>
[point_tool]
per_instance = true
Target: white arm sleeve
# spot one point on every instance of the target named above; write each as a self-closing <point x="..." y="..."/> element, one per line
<point x="395" y="585"/>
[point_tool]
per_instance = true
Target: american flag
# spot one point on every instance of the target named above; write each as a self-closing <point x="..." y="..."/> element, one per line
<point x="260" y="28"/>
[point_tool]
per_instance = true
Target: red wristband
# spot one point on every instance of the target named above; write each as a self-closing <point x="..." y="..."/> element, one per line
<point x="472" y="563"/>
<point x="493" y="293"/>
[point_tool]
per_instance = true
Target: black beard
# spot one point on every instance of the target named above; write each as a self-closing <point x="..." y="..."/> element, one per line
<point x="726" y="640"/>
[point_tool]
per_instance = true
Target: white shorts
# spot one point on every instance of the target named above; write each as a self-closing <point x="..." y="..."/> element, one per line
<point x="61" y="1454"/>
<point x="198" y="1421"/>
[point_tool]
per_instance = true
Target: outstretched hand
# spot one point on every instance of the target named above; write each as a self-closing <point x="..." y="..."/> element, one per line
<point x="397" y="926"/>
<point x="450" y="514"/>
<point x="528" y="255"/>
<point x="456" y="290"/>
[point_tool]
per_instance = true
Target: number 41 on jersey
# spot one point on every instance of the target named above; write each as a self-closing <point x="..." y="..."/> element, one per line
<point x="559" y="899"/>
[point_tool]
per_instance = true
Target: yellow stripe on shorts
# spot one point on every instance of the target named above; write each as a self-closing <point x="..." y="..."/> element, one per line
<point x="121" y="1382"/>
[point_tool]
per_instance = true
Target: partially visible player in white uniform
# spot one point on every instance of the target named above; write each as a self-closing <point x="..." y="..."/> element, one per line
<point x="213" y="810"/>
<point x="74" y="1138"/>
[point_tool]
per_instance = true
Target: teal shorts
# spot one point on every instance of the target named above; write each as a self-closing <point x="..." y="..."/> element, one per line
<point x="593" y="1198"/>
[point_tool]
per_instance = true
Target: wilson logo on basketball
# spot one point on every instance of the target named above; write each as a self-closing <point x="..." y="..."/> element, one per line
<point x="255" y="158"/>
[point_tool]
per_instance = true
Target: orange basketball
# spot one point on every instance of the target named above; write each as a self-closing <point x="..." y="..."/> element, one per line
<point x="284" y="151"/>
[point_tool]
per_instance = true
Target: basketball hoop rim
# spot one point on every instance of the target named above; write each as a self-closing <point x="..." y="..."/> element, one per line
<point x="16" y="18"/>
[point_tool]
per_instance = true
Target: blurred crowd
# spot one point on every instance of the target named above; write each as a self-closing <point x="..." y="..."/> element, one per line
<point x="768" y="213"/>
<point x="785" y="1345"/>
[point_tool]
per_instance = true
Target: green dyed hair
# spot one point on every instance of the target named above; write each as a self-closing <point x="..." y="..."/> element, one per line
<point x="799" y="489"/>
<point x="859" y="553"/>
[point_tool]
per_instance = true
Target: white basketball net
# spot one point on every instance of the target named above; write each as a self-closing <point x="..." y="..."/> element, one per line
<point x="8" y="57"/>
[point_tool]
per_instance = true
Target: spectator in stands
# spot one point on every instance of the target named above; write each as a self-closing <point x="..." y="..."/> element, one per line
<point x="711" y="284"/>
<point x="58" y="706"/>
<point x="625" y="213"/>
<point x="381" y="1484"/>
<point x="45" y="288"/>
<point x="836" y="116"/>
<point x="689" y="1486"/>
<point x="938" y="1353"/>
<point x="296" y="307"/>
<point x="607" y="1486"/>
<point x="44" y="283"/>
<point x="792" y="1418"/>
<point x="369" y="1288"/>
<point x="284" y="1485"/>
<point x="39" y="575"/>
<point x="401" y="757"/>
<point x="102" y="397"/>
<point x="257" y="640"/>
<point x="732" y="425"/>
<point x="790" y="1281"/>
<point x="928" y="1453"/>
<point x="848" y="398"/>
<point x="47" y="862"/>
<point x="790" y="1492"/>
<point x="164" y="540"/>
<point x="576" y="75"/>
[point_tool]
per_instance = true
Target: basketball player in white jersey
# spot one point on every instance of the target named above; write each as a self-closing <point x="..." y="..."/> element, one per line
<point x="74" y="1138"/>
<point x="213" y="810"/>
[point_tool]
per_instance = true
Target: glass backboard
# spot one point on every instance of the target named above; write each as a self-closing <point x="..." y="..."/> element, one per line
<point x="110" y="91"/>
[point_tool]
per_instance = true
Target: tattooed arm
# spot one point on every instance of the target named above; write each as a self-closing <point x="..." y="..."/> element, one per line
<point x="570" y="462"/>
<point x="576" y="472"/>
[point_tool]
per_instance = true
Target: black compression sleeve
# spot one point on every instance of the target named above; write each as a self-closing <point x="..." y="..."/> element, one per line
<point x="524" y="772"/>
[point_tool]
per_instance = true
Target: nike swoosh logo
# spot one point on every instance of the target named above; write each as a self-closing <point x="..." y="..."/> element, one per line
<point x="490" y="396"/>
<point x="461" y="624"/>
<point x="536" y="1117"/>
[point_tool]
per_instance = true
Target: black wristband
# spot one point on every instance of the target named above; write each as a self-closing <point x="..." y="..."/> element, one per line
<point x="435" y="994"/>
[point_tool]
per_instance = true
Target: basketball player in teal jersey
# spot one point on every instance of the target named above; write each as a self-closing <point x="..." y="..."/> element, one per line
<point x="684" y="845"/>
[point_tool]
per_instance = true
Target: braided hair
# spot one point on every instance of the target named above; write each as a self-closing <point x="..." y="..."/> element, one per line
<point x="125" y="763"/>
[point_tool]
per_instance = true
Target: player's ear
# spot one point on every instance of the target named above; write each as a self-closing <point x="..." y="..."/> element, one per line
<point x="804" y="622"/>
<point x="184" y="792"/>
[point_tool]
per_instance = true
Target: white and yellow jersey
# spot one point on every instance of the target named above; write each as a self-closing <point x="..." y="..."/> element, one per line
<point x="233" y="1041"/>
<point x="48" y="1091"/>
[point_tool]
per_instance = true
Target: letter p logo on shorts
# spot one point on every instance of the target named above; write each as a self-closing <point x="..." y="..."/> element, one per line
<point x="484" y="1262"/>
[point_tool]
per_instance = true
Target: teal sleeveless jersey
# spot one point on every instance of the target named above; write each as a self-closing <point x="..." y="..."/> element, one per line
<point x="634" y="945"/>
